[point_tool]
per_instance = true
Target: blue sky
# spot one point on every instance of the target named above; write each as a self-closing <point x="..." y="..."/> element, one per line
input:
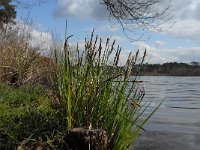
<point x="180" y="43"/>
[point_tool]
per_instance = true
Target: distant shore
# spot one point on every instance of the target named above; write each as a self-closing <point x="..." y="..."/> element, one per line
<point x="170" y="69"/>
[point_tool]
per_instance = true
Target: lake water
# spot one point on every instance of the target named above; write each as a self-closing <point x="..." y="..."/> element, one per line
<point x="180" y="112"/>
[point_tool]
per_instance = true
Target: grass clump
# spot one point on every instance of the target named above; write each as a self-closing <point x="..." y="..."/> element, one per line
<point x="95" y="92"/>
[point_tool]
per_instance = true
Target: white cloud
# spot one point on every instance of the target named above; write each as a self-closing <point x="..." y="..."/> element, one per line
<point x="41" y="39"/>
<point x="104" y="27"/>
<point x="36" y="38"/>
<point x="187" y="20"/>
<point x="80" y="8"/>
<point x="162" y="55"/>
<point x="114" y="27"/>
<point x="160" y="43"/>
<point x="118" y="38"/>
<point x="186" y="9"/>
<point x="186" y="29"/>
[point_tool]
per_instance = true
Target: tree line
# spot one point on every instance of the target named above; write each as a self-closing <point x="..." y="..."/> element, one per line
<point x="170" y="69"/>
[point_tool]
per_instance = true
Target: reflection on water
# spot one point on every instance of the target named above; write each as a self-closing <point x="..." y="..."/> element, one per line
<point x="180" y="111"/>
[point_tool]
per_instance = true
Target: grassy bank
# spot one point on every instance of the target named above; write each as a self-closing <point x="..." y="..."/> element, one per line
<point x="28" y="116"/>
<point x="83" y="88"/>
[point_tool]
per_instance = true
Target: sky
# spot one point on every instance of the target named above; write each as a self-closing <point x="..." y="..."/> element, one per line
<point x="180" y="43"/>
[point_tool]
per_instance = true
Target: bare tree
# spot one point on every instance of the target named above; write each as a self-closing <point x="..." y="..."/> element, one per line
<point x="143" y="14"/>
<point x="146" y="15"/>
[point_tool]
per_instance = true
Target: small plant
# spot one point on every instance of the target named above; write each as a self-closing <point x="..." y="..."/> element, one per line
<point x="95" y="92"/>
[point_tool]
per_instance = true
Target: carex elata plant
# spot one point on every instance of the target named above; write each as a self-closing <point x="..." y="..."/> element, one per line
<point x="94" y="90"/>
